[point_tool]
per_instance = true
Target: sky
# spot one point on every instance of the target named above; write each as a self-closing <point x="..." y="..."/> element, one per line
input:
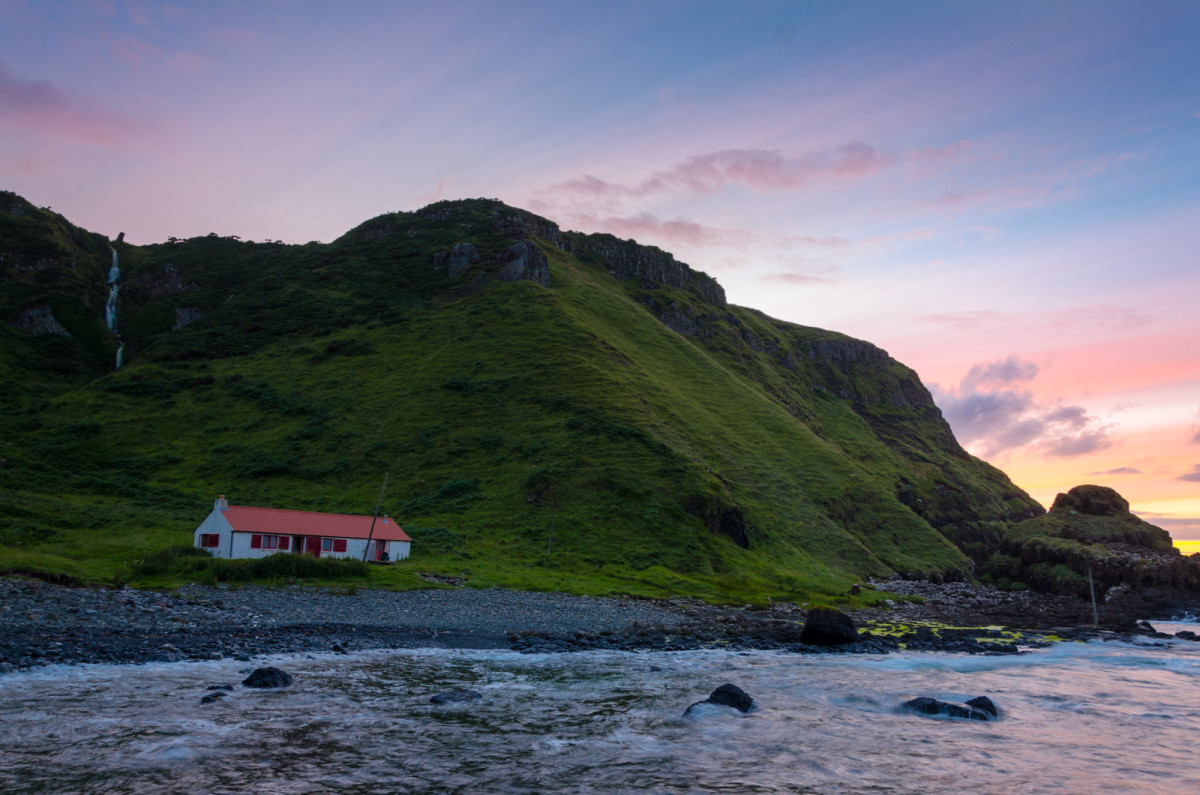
<point x="1005" y="196"/>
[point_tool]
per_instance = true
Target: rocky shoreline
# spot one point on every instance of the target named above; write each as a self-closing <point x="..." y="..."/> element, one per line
<point x="43" y="624"/>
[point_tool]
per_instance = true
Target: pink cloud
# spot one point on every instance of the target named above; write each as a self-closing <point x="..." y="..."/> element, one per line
<point x="968" y="320"/>
<point x="759" y="170"/>
<point x="802" y="279"/>
<point x="239" y="38"/>
<point x="190" y="63"/>
<point x="647" y="227"/>
<point x="832" y="241"/>
<point x="939" y="154"/>
<point x="924" y="233"/>
<point x="991" y="198"/>
<point x="41" y="108"/>
<point x="133" y="50"/>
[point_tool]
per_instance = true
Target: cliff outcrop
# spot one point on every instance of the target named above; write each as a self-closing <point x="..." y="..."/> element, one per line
<point x="1090" y="530"/>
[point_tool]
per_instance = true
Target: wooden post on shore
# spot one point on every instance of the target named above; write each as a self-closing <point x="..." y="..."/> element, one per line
<point x="1092" y="588"/>
<point x="378" y="505"/>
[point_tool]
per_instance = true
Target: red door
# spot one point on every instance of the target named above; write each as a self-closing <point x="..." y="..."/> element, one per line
<point x="312" y="545"/>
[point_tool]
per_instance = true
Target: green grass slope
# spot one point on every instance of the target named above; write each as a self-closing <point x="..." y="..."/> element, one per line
<point x="595" y="435"/>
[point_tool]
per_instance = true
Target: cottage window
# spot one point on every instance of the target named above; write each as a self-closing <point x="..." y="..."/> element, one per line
<point x="270" y="542"/>
<point x="209" y="540"/>
<point x="326" y="544"/>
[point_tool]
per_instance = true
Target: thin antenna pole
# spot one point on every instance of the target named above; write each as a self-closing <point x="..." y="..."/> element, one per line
<point x="1092" y="588"/>
<point x="378" y="505"/>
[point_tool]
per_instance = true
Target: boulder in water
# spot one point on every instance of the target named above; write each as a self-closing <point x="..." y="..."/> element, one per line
<point x="268" y="677"/>
<point x="984" y="704"/>
<point x="456" y="695"/>
<point x="727" y="695"/>
<point x="828" y="627"/>
<point x="980" y="708"/>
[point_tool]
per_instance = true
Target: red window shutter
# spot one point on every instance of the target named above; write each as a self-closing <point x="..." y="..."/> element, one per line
<point x="256" y="542"/>
<point x="339" y="545"/>
<point x="284" y="542"/>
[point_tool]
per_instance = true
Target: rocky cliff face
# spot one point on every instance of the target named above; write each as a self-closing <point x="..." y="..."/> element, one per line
<point x="624" y="259"/>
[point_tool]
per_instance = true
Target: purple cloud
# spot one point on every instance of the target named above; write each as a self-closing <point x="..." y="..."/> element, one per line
<point x="1193" y="476"/>
<point x="1012" y="370"/>
<point x="1118" y="471"/>
<point x="989" y="411"/>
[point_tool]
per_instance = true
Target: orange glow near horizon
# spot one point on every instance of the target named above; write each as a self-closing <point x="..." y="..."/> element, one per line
<point x="1188" y="547"/>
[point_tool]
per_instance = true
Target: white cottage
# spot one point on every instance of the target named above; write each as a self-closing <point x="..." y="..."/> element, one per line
<point x="240" y="531"/>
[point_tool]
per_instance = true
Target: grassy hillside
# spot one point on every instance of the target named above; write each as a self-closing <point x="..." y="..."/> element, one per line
<point x="582" y="432"/>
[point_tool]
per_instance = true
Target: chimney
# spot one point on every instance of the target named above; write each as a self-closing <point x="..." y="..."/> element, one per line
<point x="221" y="504"/>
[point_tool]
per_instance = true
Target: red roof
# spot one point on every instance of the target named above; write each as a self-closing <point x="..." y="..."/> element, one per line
<point x="277" y="521"/>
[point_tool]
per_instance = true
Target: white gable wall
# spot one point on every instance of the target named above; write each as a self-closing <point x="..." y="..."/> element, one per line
<point x="216" y="523"/>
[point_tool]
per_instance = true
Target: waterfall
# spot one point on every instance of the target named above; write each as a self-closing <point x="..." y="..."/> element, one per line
<point x="110" y="306"/>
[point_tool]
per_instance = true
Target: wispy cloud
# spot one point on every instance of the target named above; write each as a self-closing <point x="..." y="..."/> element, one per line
<point x="1193" y="476"/>
<point x="968" y="320"/>
<point x="135" y="51"/>
<point x="649" y="228"/>
<point x="802" y="279"/>
<point x="990" y="410"/>
<point x="42" y="109"/>
<point x="1118" y="471"/>
<point x="759" y="170"/>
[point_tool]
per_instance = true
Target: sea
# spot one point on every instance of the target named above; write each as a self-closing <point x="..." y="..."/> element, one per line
<point x="1094" y="717"/>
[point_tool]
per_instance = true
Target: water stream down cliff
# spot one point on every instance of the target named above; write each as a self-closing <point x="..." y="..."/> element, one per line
<point x="110" y="306"/>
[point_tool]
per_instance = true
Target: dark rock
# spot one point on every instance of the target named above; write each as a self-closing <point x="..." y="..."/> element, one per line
<point x="268" y="677"/>
<point x="458" y="694"/>
<point x="211" y="697"/>
<point x="732" y="696"/>
<point x="727" y="695"/>
<point x="461" y="257"/>
<point x="219" y="687"/>
<point x="339" y="648"/>
<point x="525" y="261"/>
<point x="931" y="706"/>
<point x="828" y="627"/>
<point x="1187" y="634"/>
<point x="984" y="704"/>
